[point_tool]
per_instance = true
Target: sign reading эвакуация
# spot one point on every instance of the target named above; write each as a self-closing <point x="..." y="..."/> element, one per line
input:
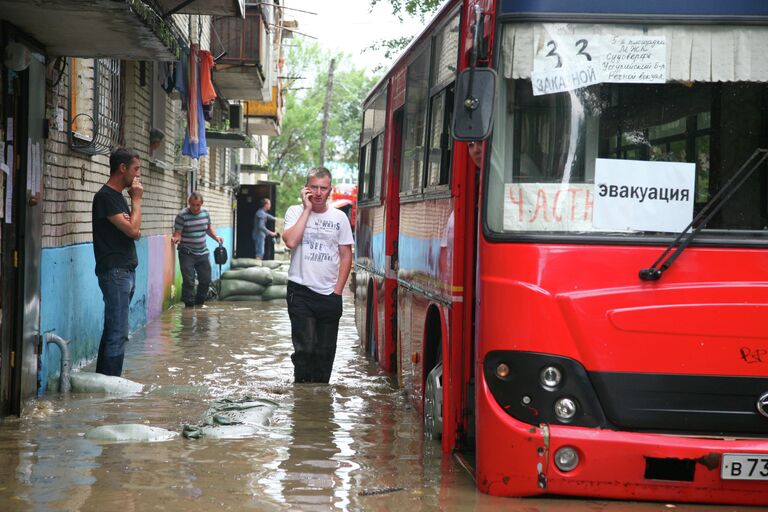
<point x="634" y="195"/>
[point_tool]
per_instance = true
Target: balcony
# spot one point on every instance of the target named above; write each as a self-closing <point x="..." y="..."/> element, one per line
<point x="208" y="7"/>
<point x="241" y="48"/>
<point x="264" y="117"/>
<point x="117" y="29"/>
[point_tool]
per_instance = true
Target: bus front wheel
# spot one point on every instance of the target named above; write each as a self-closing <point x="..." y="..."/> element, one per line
<point x="433" y="403"/>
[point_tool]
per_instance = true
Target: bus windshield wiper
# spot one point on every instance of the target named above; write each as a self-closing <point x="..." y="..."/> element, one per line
<point x="655" y="271"/>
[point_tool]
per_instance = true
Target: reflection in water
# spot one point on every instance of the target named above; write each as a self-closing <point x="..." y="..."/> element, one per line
<point x="355" y="444"/>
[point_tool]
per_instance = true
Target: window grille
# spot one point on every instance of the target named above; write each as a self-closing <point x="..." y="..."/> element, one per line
<point x="103" y="122"/>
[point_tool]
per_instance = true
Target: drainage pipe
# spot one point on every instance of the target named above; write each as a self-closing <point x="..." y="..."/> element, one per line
<point x="66" y="365"/>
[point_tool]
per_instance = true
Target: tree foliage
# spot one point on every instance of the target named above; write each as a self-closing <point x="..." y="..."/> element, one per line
<point x="420" y="8"/>
<point x="297" y="148"/>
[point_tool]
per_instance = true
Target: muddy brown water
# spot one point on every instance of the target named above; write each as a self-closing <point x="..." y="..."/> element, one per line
<point x="355" y="444"/>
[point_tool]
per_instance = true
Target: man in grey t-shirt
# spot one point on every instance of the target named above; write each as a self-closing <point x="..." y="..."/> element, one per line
<point x="189" y="233"/>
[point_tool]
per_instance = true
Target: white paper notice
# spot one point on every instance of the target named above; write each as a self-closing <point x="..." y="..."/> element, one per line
<point x="564" y="61"/>
<point x="564" y="79"/>
<point x="2" y="199"/>
<point x="37" y="157"/>
<point x="9" y="188"/>
<point x="634" y="59"/>
<point x="633" y="195"/>
<point x="548" y="207"/>
<point x="30" y="165"/>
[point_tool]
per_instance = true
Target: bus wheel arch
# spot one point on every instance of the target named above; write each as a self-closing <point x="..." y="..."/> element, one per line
<point x="433" y="380"/>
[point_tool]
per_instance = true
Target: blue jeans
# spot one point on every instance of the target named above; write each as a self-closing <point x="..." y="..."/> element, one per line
<point x="117" y="286"/>
<point x="258" y="243"/>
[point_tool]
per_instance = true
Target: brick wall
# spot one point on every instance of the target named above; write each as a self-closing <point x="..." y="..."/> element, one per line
<point x="72" y="178"/>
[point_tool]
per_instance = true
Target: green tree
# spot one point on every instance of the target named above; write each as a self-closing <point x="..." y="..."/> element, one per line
<point x="297" y="148"/>
<point x="401" y="9"/>
<point x="420" y="8"/>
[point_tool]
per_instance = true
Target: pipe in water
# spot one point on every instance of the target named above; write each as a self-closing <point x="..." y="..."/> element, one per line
<point x="66" y="364"/>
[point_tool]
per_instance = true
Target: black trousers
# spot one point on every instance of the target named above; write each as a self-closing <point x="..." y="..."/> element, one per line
<point x="314" y="329"/>
<point x="194" y="266"/>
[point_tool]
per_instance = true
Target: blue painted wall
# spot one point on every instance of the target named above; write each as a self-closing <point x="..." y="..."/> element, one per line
<point x="71" y="303"/>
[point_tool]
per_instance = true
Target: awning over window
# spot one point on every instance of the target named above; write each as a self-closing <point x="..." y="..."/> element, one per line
<point x="212" y="7"/>
<point x="706" y="53"/>
<point x="118" y="29"/>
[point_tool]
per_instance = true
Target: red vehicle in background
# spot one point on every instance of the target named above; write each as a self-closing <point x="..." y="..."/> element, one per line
<point x="562" y="244"/>
<point x="344" y="198"/>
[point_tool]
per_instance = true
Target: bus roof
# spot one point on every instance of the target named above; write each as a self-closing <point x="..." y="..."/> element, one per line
<point x="402" y="59"/>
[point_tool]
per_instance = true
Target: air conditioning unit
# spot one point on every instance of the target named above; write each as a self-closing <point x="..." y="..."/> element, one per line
<point x="236" y="117"/>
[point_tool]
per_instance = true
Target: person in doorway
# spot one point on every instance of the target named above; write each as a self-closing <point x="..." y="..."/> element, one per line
<point x="260" y="230"/>
<point x="115" y="229"/>
<point x="191" y="226"/>
<point x="320" y="240"/>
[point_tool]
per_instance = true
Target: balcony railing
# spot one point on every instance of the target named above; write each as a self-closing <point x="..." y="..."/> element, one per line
<point x="240" y="48"/>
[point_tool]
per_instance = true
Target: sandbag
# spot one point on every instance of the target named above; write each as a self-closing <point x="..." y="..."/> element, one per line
<point x="243" y="298"/>
<point x="279" y="277"/>
<point x="88" y="382"/>
<point x="279" y="291"/>
<point x="245" y="262"/>
<point x="129" y="432"/>
<point x="233" y="418"/>
<point x="231" y="287"/>
<point x="271" y="263"/>
<point x="258" y="275"/>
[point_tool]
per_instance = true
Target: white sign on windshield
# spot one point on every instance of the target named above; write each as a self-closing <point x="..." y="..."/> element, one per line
<point x="634" y="59"/>
<point x="633" y="195"/>
<point x="566" y="61"/>
<point x="548" y="207"/>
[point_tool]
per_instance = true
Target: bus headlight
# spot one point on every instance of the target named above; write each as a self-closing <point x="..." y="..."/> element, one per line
<point x="565" y="409"/>
<point x="542" y="388"/>
<point x="551" y="377"/>
<point x="566" y="459"/>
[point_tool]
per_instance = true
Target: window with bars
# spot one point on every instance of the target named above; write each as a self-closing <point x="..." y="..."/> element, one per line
<point x="94" y="105"/>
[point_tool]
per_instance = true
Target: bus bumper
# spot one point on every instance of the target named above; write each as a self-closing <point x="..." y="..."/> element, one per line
<point x="517" y="459"/>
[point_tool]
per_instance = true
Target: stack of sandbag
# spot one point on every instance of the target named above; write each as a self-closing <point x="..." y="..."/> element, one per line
<point x="251" y="279"/>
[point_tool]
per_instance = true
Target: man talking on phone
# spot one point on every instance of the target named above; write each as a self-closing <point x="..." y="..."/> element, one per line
<point x="115" y="229"/>
<point x="320" y="240"/>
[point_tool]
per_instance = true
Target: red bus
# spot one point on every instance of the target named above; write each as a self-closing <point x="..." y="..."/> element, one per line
<point x="344" y="198"/>
<point x="582" y="308"/>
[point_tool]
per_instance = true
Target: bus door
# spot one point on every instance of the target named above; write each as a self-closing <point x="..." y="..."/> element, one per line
<point x="390" y="359"/>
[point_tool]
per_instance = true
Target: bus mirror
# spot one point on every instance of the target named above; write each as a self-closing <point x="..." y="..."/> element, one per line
<point x="473" y="110"/>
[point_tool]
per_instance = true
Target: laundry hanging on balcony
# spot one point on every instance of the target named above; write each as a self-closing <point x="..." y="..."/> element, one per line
<point x="182" y="77"/>
<point x="194" y="137"/>
<point x="206" y="84"/>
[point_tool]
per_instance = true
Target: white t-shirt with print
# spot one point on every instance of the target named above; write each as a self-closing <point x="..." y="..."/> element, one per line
<point x="315" y="260"/>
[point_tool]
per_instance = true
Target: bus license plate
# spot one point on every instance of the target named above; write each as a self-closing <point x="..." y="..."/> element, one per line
<point x="744" y="466"/>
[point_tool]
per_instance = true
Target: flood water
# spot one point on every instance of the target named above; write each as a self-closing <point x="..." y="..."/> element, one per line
<point x="352" y="445"/>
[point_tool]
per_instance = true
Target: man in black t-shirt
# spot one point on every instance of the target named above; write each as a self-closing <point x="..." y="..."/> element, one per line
<point x="115" y="228"/>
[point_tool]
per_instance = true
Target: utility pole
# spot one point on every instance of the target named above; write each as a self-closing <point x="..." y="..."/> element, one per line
<point x="326" y="111"/>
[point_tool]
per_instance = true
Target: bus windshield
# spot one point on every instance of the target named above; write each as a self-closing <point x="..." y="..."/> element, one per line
<point x="624" y="159"/>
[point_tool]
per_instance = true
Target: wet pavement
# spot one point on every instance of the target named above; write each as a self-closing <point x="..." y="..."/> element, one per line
<point x="355" y="444"/>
